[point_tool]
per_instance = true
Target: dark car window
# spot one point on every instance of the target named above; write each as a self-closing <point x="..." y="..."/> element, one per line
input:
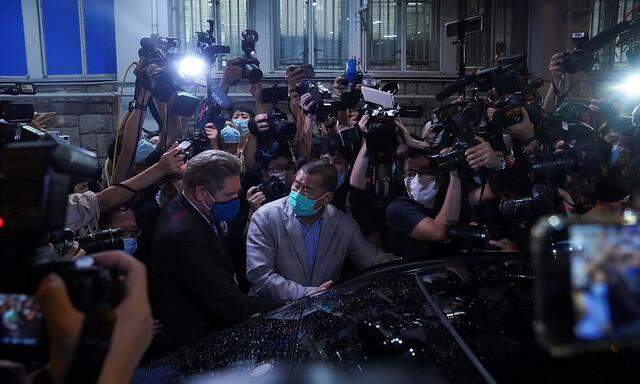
<point x="381" y="322"/>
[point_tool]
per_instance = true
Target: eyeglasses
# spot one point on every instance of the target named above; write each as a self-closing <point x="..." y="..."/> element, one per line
<point x="422" y="173"/>
<point x="274" y="170"/>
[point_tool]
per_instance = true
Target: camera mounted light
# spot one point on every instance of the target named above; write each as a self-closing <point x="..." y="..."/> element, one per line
<point x="193" y="68"/>
<point x="630" y="86"/>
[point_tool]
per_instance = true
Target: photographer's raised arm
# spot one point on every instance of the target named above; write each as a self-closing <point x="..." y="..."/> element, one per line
<point x="358" y="177"/>
<point x="251" y="146"/>
<point x="436" y="229"/>
<point x="116" y="196"/>
<point x="256" y="92"/>
<point x="174" y="125"/>
<point x="304" y="122"/>
<point x="132" y="124"/>
<point x="555" y="67"/>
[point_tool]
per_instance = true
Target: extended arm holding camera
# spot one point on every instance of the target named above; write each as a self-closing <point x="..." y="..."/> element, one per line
<point x="113" y="197"/>
<point x="436" y="229"/>
<point x="555" y="67"/>
<point x="131" y="125"/>
<point x="358" y="177"/>
<point x="304" y="122"/>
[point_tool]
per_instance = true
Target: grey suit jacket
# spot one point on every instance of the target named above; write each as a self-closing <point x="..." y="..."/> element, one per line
<point x="277" y="259"/>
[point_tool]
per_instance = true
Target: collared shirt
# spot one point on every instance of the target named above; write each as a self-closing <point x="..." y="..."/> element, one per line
<point x="311" y="240"/>
<point x="213" y="225"/>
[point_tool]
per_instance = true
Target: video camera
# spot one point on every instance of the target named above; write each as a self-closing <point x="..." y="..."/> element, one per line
<point x="164" y="83"/>
<point x="249" y="63"/>
<point x="35" y="180"/>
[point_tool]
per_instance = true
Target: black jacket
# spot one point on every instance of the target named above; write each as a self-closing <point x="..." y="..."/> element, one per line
<point x="192" y="285"/>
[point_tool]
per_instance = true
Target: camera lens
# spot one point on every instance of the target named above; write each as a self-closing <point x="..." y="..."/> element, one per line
<point x="102" y="240"/>
<point x="549" y="166"/>
<point x="517" y="210"/>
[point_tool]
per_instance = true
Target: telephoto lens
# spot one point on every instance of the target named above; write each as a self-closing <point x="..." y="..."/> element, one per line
<point x="107" y="239"/>
<point x="470" y="236"/>
<point x="543" y="201"/>
<point x="550" y="166"/>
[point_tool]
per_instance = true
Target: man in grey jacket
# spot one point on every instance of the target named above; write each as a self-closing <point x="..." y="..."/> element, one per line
<point x="297" y="245"/>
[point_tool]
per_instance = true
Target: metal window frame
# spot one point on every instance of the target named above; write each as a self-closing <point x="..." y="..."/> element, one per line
<point x="402" y="33"/>
<point x="35" y="47"/>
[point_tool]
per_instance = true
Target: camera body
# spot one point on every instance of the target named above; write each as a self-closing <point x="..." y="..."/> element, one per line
<point x="578" y="59"/>
<point x="280" y="128"/>
<point x="319" y="93"/>
<point x="382" y="136"/>
<point x="273" y="189"/>
<point x="16" y="112"/>
<point x="164" y="83"/>
<point x="34" y="182"/>
<point x="455" y="160"/>
<point x="250" y="64"/>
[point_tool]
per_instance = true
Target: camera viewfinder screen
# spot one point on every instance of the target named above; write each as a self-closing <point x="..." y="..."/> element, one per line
<point x="20" y="320"/>
<point x="605" y="280"/>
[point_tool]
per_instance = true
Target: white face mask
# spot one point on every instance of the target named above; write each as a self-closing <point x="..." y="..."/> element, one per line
<point x="421" y="189"/>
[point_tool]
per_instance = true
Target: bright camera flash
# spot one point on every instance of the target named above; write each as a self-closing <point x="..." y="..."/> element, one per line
<point x="630" y="86"/>
<point x="191" y="67"/>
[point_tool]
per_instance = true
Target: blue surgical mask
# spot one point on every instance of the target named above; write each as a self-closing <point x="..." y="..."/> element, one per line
<point x="616" y="150"/>
<point x="226" y="211"/>
<point x="341" y="179"/>
<point x="241" y="125"/>
<point x="130" y="245"/>
<point x="302" y="206"/>
<point x="143" y="150"/>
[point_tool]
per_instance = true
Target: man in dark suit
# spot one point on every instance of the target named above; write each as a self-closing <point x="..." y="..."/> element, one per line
<point x="194" y="291"/>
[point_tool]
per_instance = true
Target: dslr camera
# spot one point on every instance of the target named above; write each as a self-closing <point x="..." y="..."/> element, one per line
<point x="35" y="179"/>
<point x="273" y="189"/>
<point x="319" y="93"/>
<point x="108" y="239"/>
<point x="586" y="153"/>
<point x="280" y="128"/>
<point x="164" y="84"/>
<point x="249" y="63"/>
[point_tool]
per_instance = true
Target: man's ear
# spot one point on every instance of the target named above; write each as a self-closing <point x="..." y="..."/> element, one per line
<point x="329" y="198"/>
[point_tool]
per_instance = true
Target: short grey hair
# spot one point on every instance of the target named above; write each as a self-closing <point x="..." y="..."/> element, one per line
<point x="211" y="169"/>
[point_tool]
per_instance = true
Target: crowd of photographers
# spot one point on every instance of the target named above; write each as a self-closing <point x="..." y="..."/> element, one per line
<point x="257" y="208"/>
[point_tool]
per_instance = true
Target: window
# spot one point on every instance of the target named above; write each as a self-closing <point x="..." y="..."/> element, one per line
<point x="231" y="18"/>
<point x="12" y="30"/>
<point x="403" y="35"/>
<point x="65" y="38"/>
<point x="311" y="31"/>
<point x="607" y="13"/>
<point x="505" y="30"/>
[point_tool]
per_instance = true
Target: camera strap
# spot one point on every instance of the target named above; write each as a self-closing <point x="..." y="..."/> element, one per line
<point x="93" y="346"/>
